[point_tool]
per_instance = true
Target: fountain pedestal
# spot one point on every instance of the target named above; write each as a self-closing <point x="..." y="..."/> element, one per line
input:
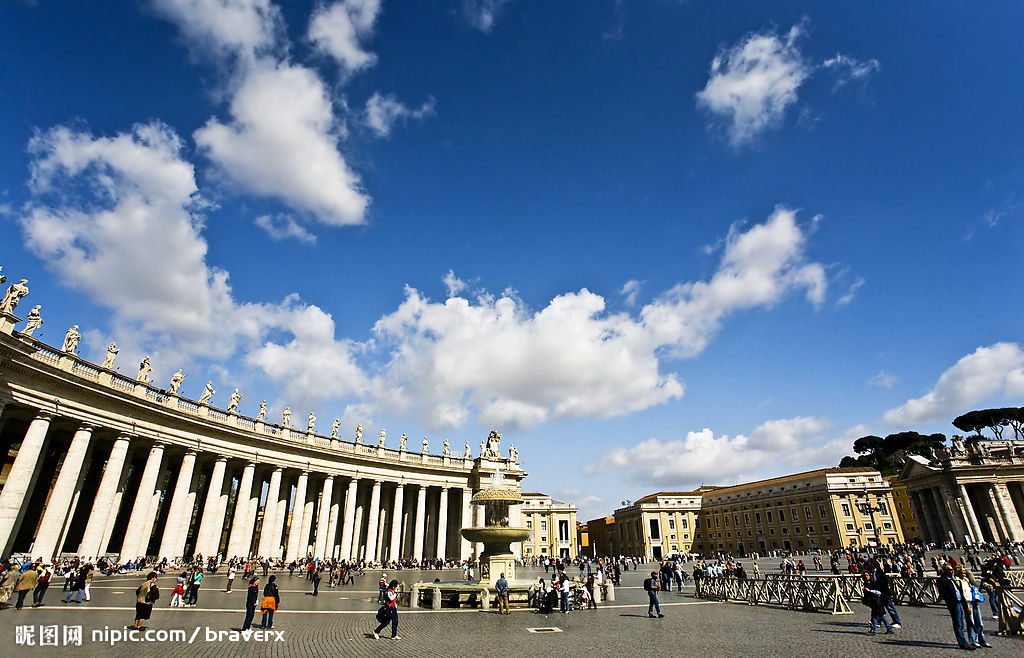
<point x="496" y="535"/>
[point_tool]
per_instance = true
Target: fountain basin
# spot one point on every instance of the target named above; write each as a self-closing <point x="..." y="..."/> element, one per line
<point x="496" y="535"/>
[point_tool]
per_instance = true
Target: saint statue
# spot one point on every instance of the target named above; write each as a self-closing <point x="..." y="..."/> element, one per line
<point x="14" y="294"/>
<point x="108" y="360"/>
<point x="491" y="451"/>
<point x="233" y="401"/>
<point x="35" y="320"/>
<point x="71" y="339"/>
<point x="3" y="279"/>
<point x="359" y="433"/>
<point x="311" y="423"/>
<point x="144" y="368"/>
<point x="426" y="446"/>
<point x="382" y="437"/>
<point x="334" y="428"/>
<point x="513" y="454"/>
<point x="445" y="448"/>
<point x="176" y="380"/>
<point x="263" y="411"/>
<point x="483" y="449"/>
<point x="286" y="417"/>
<point x="468" y="453"/>
<point x="207" y="393"/>
<point x="958" y="446"/>
<point x="401" y="442"/>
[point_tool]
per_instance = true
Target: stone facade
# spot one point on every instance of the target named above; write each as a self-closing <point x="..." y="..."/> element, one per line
<point x="95" y="463"/>
<point x="553" y="525"/>
<point x="658" y="525"/>
<point x="969" y="493"/>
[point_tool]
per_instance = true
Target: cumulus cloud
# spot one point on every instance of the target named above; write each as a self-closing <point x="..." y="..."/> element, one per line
<point x="384" y="111"/>
<point x="282" y="142"/>
<point x="284" y="227"/>
<point x="753" y="82"/>
<point x="702" y="457"/>
<point x="849" y="69"/>
<point x="226" y="28"/>
<point x="483" y="13"/>
<point x="341" y="29"/>
<point x="988" y="371"/>
<point x="629" y="291"/>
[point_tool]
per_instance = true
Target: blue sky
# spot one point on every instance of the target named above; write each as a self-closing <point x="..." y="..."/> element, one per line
<point x="655" y="244"/>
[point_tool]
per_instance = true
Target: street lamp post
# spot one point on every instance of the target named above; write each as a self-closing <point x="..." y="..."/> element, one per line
<point x="865" y="507"/>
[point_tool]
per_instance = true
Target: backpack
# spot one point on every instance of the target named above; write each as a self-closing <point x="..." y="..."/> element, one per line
<point x="153" y="594"/>
<point x="383" y="614"/>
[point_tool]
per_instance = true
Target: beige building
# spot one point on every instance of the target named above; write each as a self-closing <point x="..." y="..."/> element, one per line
<point x="904" y="509"/>
<point x="601" y="533"/>
<point x="93" y="462"/>
<point x="657" y="525"/>
<point x="553" y="525"/>
<point x="969" y="492"/>
<point x="817" y="510"/>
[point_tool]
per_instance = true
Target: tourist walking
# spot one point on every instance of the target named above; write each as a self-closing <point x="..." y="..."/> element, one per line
<point x="8" y="579"/>
<point x="872" y="598"/>
<point x="563" y="586"/>
<point x="651" y="586"/>
<point x="192" y="593"/>
<point x="951" y="592"/>
<point x="145" y="595"/>
<point x="252" y="596"/>
<point x="271" y="601"/>
<point x="390" y="610"/>
<point x="27" y="582"/>
<point x="382" y="587"/>
<point x="178" y="594"/>
<point x="77" y="586"/>
<point x="973" y="621"/>
<point x="231" y="579"/>
<point x="316" y="581"/>
<point x="501" y="586"/>
<point x="45" y="575"/>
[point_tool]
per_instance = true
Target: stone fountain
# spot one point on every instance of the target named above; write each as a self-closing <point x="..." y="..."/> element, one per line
<point x="496" y="535"/>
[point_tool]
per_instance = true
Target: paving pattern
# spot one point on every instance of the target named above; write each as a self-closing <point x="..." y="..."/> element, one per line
<point x="338" y="623"/>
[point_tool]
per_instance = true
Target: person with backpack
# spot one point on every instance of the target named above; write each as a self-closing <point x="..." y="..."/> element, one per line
<point x="389" y="612"/>
<point x="146" y="594"/>
<point x="651" y="585"/>
<point x="45" y="574"/>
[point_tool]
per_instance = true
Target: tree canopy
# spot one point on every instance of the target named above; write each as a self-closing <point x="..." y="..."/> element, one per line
<point x="889" y="454"/>
<point x="994" y="420"/>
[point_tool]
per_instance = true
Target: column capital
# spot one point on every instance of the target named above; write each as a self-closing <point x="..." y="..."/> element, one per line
<point x="43" y="414"/>
<point x="86" y="426"/>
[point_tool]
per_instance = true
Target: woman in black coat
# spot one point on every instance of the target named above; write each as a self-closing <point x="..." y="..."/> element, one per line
<point x="251" y="599"/>
<point x="271" y="600"/>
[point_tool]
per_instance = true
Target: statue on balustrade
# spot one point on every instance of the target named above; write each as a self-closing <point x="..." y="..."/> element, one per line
<point x="957" y="448"/>
<point x="3" y="278"/>
<point x="334" y="428"/>
<point x="311" y="423"/>
<point x="233" y="401"/>
<point x="359" y="433"/>
<point x="445" y="448"/>
<point x="207" y="393"/>
<point x="401" y="442"/>
<point x="286" y="417"/>
<point x="14" y="294"/>
<point x="492" y="451"/>
<point x="426" y="446"/>
<point x="35" y="320"/>
<point x="71" y="339"/>
<point x="382" y="439"/>
<point x="468" y="453"/>
<point x="513" y="453"/>
<point x="176" y="380"/>
<point x="144" y="370"/>
<point x="262" y="415"/>
<point x="108" y="360"/>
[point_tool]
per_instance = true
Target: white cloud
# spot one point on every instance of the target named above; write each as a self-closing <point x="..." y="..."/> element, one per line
<point x="240" y="28"/>
<point x="454" y="284"/>
<point x="383" y="112"/>
<point x="774" y="447"/>
<point x="340" y="30"/>
<point x="282" y="142"/>
<point x="851" y="292"/>
<point x="284" y="227"/>
<point x="758" y="267"/>
<point x="849" y="69"/>
<point x="630" y="290"/>
<point x="483" y="13"/>
<point x="883" y="380"/>
<point x="753" y="82"/>
<point x="988" y="371"/>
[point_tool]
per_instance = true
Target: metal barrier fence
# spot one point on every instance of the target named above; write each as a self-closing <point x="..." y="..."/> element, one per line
<point x="833" y="593"/>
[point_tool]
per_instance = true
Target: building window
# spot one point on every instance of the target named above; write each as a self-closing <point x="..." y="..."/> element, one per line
<point x="757" y="517"/>
<point x="883" y="508"/>
<point x="796" y="530"/>
<point x="886" y="525"/>
<point x="849" y="527"/>
<point x="810" y="530"/>
<point x="543" y="525"/>
<point x="529" y="523"/>
<point x="718" y="522"/>
<point x="821" y="511"/>
<point x="807" y="513"/>
<point x="869" y="526"/>
<point x="846" y="509"/>
<point x="769" y="515"/>
<point x="746" y="518"/>
<point x="655" y="529"/>
<point x="824" y="528"/>
<point x="792" y="513"/>
<point x="671" y="524"/>
<point x="727" y="522"/>
<point x="782" y="516"/>
<point x="563" y="530"/>
<point x="543" y="539"/>
<point x="785" y="531"/>
<point x="771" y="531"/>
<point x="685" y="525"/>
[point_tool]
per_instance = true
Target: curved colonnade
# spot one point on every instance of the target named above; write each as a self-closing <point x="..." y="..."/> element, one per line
<point x="100" y="464"/>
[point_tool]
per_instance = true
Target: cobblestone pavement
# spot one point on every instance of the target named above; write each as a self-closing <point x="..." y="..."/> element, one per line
<point x="339" y="621"/>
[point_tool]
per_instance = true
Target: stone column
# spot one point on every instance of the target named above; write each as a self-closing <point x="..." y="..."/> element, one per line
<point x="466" y="522"/>
<point x="103" y="503"/>
<point x="323" y="524"/>
<point x="1008" y="512"/>
<point x="350" y="516"/>
<point x="1000" y="513"/>
<point x="56" y="514"/>
<point x="958" y="516"/>
<point x="942" y="522"/>
<point x="20" y="478"/>
<point x="172" y="544"/>
<point x="239" y="539"/>
<point x="135" y="543"/>
<point x="270" y="534"/>
<point x="307" y="525"/>
<point x="295" y="528"/>
<point x="374" y="519"/>
<point x="972" y="519"/>
<point x="357" y="531"/>
<point x="212" y="523"/>
<point x="396" y="523"/>
<point x="421" y="513"/>
<point x="442" y="524"/>
<point x="332" y="524"/>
